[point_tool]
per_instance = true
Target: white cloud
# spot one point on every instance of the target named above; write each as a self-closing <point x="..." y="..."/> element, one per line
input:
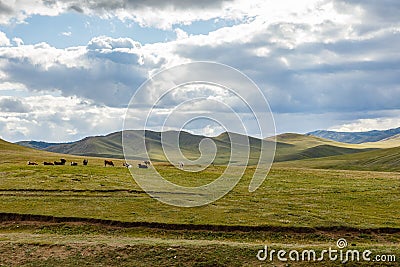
<point x="13" y="105"/>
<point x="66" y="34"/>
<point x="11" y="11"/>
<point x="4" y="41"/>
<point x="181" y="34"/>
<point x="363" y="125"/>
<point x="18" y="41"/>
<point x="58" y="119"/>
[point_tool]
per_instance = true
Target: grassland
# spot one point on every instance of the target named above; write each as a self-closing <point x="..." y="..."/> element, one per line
<point x="294" y="208"/>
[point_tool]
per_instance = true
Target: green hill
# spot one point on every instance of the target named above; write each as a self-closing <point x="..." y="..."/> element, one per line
<point x="13" y="153"/>
<point x="393" y="141"/>
<point x="16" y="154"/>
<point x="111" y="146"/>
<point x="289" y="146"/>
<point x="100" y="146"/>
<point x="387" y="159"/>
<point x="293" y="146"/>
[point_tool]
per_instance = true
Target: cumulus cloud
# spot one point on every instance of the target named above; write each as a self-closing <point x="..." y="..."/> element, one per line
<point x="161" y="14"/>
<point x="314" y="64"/>
<point x="13" y="105"/>
<point x="4" y="41"/>
<point x="362" y="125"/>
<point x="107" y="70"/>
<point x="11" y="11"/>
<point x="56" y="118"/>
<point x="309" y="58"/>
<point x="18" y="41"/>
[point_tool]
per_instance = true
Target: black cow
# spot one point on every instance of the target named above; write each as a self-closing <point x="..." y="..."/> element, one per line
<point x="61" y="162"/>
<point x="108" y="162"/>
<point x="85" y="162"/>
<point x="142" y="166"/>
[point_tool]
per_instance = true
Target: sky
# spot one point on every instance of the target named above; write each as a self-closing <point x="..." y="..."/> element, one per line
<point x="68" y="69"/>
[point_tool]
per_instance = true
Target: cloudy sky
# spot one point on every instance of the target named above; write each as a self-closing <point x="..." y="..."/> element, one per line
<point x="69" y="68"/>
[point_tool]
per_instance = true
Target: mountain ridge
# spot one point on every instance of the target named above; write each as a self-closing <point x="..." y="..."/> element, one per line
<point x="356" y="137"/>
<point x="289" y="146"/>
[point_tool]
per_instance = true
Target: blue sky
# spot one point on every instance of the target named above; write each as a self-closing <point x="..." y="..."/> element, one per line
<point x="69" y="68"/>
<point x="75" y="29"/>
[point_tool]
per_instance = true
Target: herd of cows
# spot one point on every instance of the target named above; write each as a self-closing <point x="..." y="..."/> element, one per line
<point x="85" y="162"/>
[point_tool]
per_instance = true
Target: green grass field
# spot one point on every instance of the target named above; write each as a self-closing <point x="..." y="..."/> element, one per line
<point x="98" y="216"/>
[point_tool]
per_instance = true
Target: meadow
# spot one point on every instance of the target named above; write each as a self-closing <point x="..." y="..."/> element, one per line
<point x="98" y="216"/>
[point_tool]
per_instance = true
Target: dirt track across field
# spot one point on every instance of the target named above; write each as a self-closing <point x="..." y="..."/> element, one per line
<point x="7" y="217"/>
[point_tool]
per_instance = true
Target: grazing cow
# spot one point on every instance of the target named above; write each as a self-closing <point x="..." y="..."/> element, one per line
<point x="74" y="163"/>
<point x="126" y="164"/>
<point x="147" y="162"/>
<point x="142" y="166"/>
<point x="48" y="163"/>
<point x="32" y="163"/>
<point x="85" y="162"/>
<point x="108" y="162"/>
<point x="61" y="162"/>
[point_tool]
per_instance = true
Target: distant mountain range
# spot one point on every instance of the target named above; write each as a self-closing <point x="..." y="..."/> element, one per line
<point x="289" y="146"/>
<point x="39" y="144"/>
<point x="356" y="137"/>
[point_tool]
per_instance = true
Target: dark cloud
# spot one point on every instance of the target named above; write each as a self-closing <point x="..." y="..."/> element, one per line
<point x="4" y="9"/>
<point x="347" y="75"/>
<point x="13" y="105"/>
<point x="105" y="83"/>
<point x="104" y="5"/>
<point x="76" y="8"/>
<point x="377" y="11"/>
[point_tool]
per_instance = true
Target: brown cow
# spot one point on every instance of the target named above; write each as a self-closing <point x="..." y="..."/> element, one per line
<point x="108" y="162"/>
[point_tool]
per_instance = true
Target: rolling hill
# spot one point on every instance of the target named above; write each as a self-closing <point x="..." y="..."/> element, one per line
<point x="289" y="146"/>
<point x="292" y="150"/>
<point x="111" y="146"/>
<point x="387" y="159"/>
<point x="356" y="137"/>
<point x="305" y="147"/>
<point x="11" y="153"/>
<point x="393" y="141"/>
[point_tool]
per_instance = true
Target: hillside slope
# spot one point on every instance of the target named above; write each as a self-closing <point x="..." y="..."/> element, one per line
<point x="111" y="146"/>
<point x="387" y="159"/>
<point x="13" y="153"/>
<point x="304" y="147"/>
<point x="393" y="141"/>
<point x="288" y="146"/>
